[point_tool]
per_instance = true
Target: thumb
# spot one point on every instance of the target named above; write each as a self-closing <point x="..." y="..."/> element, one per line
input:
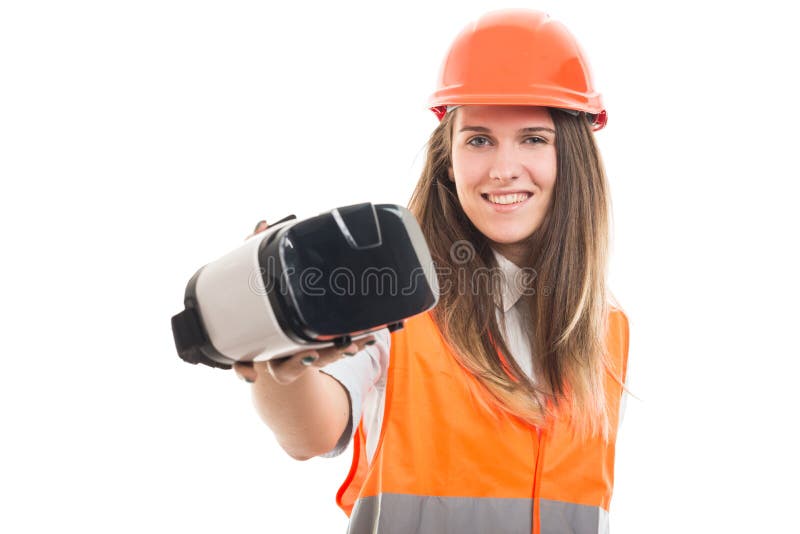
<point x="260" y="227"/>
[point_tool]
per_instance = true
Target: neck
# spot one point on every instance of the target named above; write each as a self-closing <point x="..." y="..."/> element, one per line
<point x="514" y="252"/>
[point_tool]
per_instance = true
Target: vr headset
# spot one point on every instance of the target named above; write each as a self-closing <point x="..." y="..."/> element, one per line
<point x="304" y="284"/>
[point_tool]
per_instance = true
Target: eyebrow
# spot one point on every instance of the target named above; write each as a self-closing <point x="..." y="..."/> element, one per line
<point x="530" y="129"/>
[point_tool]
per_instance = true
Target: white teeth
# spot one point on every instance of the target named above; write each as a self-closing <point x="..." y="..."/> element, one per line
<point x="508" y="199"/>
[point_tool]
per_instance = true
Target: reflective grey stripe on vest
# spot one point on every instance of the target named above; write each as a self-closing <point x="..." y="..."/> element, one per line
<point x="558" y="517"/>
<point x="412" y="514"/>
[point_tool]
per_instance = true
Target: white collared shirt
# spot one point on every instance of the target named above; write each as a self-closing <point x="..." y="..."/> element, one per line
<point x="364" y="375"/>
<point x="518" y="320"/>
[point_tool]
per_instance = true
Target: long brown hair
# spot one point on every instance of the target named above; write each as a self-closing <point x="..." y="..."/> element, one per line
<point x="567" y="299"/>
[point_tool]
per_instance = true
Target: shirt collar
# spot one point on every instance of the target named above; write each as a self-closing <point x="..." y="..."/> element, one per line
<point x="511" y="291"/>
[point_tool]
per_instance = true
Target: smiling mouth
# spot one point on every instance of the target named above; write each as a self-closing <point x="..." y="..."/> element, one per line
<point x="508" y="200"/>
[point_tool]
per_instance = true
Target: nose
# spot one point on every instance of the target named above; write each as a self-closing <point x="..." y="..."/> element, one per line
<point x="506" y="164"/>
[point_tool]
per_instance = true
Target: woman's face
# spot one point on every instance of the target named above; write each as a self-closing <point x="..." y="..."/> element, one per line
<point x="499" y="150"/>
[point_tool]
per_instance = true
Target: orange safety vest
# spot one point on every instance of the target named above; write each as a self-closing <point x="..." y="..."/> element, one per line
<point x="445" y="465"/>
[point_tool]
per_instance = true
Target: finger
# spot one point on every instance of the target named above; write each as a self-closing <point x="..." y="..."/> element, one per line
<point x="245" y="371"/>
<point x="287" y="370"/>
<point x="331" y="354"/>
<point x="358" y="346"/>
<point x="366" y="342"/>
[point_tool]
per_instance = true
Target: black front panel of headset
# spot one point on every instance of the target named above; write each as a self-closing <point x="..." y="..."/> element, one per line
<point x="347" y="271"/>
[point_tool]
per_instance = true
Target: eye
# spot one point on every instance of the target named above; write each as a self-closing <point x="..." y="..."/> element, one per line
<point x="478" y="140"/>
<point x="535" y="140"/>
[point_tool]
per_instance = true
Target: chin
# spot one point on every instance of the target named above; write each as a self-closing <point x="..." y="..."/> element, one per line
<point x="505" y="238"/>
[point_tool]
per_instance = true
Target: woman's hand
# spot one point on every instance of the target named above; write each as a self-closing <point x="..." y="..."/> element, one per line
<point x="288" y="369"/>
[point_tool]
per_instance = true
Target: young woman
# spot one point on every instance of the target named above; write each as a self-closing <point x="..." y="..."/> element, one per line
<point x="497" y="410"/>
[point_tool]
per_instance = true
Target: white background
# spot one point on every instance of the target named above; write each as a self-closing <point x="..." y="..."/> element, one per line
<point x="141" y="140"/>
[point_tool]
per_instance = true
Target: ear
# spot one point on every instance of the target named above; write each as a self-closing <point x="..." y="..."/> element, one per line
<point x="450" y="173"/>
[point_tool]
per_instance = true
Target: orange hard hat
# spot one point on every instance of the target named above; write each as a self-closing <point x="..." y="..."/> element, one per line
<point x="517" y="57"/>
